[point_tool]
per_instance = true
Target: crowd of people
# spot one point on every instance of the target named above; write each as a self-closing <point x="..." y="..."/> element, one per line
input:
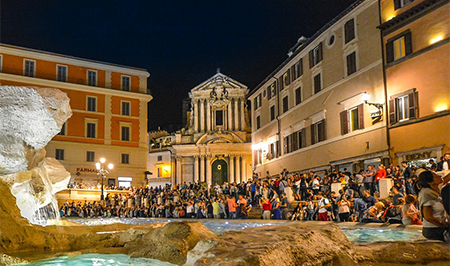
<point x="357" y="201"/>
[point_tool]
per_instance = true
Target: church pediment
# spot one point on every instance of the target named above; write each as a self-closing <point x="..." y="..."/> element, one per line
<point x="219" y="137"/>
<point x="219" y="81"/>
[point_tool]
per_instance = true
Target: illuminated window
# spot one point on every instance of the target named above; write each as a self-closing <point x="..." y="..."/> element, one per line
<point x="403" y="107"/>
<point x="398" y="47"/>
<point x="315" y="55"/>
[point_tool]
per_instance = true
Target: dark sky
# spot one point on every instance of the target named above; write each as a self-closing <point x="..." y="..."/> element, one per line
<point x="180" y="43"/>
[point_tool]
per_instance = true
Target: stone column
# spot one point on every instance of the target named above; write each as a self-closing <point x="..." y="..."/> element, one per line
<point x="196" y="172"/>
<point x="230" y="116"/>
<point x="202" y="116"/>
<point x="208" y="116"/>
<point x="208" y="170"/>
<point x="232" y="179"/>
<point x="238" y="169"/>
<point x="178" y="177"/>
<point x="242" y="114"/>
<point x="173" y="172"/>
<point x="236" y="114"/>
<point x="244" y="168"/>
<point x="196" y="115"/>
<point x="202" y="168"/>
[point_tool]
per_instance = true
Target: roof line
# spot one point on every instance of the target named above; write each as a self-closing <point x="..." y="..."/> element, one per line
<point x="70" y="57"/>
<point x="297" y="48"/>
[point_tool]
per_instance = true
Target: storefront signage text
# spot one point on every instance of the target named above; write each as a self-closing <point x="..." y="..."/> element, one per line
<point x="88" y="170"/>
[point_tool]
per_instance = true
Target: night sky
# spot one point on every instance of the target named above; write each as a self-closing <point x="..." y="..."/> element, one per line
<point x="180" y="43"/>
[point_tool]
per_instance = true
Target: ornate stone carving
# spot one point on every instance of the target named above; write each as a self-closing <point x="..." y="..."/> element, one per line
<point x="218" y="97"/>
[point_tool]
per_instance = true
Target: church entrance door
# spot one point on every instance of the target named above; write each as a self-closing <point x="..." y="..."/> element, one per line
<point x="219" y="172"/>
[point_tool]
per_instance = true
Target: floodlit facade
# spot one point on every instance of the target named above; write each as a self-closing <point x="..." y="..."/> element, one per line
<point x="214" y="147"/>
<point x="109" y="105"/>
<point x="416" y="46"/>
<point x="323" y="107"/>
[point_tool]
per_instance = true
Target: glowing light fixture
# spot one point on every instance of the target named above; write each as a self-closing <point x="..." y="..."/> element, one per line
<point x="441" y="107"/>
<point x="436" y="39"/>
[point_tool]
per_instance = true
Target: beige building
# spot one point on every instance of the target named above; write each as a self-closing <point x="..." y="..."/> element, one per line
<point x="109" y="106"/>
<point x="310" y="114"/>
<point x="214" y="147"/>
<point x="416" y="38"/>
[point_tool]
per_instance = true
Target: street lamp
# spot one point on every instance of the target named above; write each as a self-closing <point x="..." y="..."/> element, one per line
<point x="377" y="115"/>
<point x="102" y="171"/>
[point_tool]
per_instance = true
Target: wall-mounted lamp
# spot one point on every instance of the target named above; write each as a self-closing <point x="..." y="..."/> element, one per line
<point x="376" y="115"/>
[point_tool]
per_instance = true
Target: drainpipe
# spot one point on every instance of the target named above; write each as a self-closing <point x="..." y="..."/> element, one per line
<point x="386" y="102"/>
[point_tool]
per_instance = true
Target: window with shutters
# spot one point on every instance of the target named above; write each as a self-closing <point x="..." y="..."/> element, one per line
<point x="351" y="63"/>
<point x="398" y="47"/>
<point x="403" y="107"/>
<point x="286" y="79"/>
<point x="29" y="68"/>
<point x="349" y="30"/>
<point x="257" y="101"/>
<point x="258" y="122"/>
<point x="352" y="119"/>
<point x="401" y="3"/>
<point x="298" y="95"/>
<point x="315" y="55"/>
<point x="272" y="90"/>
<point x="287" y="144"/>
<point x="297" y="70"/>
<point x="318" y="132"/>
<point x="317" y="83"/>
<point x="272" y="112"/>
<point x="285" y="104"/>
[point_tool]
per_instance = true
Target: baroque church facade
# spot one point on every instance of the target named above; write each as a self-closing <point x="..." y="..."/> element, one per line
<point x="215" y="145"/>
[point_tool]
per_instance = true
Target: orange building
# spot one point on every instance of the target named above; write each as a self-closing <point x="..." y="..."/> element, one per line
<point x="109" y="105"/>
<point x="416" y="35"/>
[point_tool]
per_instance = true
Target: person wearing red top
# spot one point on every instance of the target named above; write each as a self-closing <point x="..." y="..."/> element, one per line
<point x="267" y="206"/>
<point x="381" y="173"/>
<point x="232" y="207"/>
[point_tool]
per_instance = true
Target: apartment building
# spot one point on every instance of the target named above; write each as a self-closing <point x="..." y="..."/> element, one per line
<point x="416" y="46"/>
<point x="109" y="105"/>
<point x="324" y="107"/>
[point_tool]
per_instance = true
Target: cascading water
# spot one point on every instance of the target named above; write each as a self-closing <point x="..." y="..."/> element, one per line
<point x="35" y="192"/>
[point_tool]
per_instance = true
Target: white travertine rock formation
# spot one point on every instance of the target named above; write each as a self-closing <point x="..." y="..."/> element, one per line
<point x="29" y="119"/>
